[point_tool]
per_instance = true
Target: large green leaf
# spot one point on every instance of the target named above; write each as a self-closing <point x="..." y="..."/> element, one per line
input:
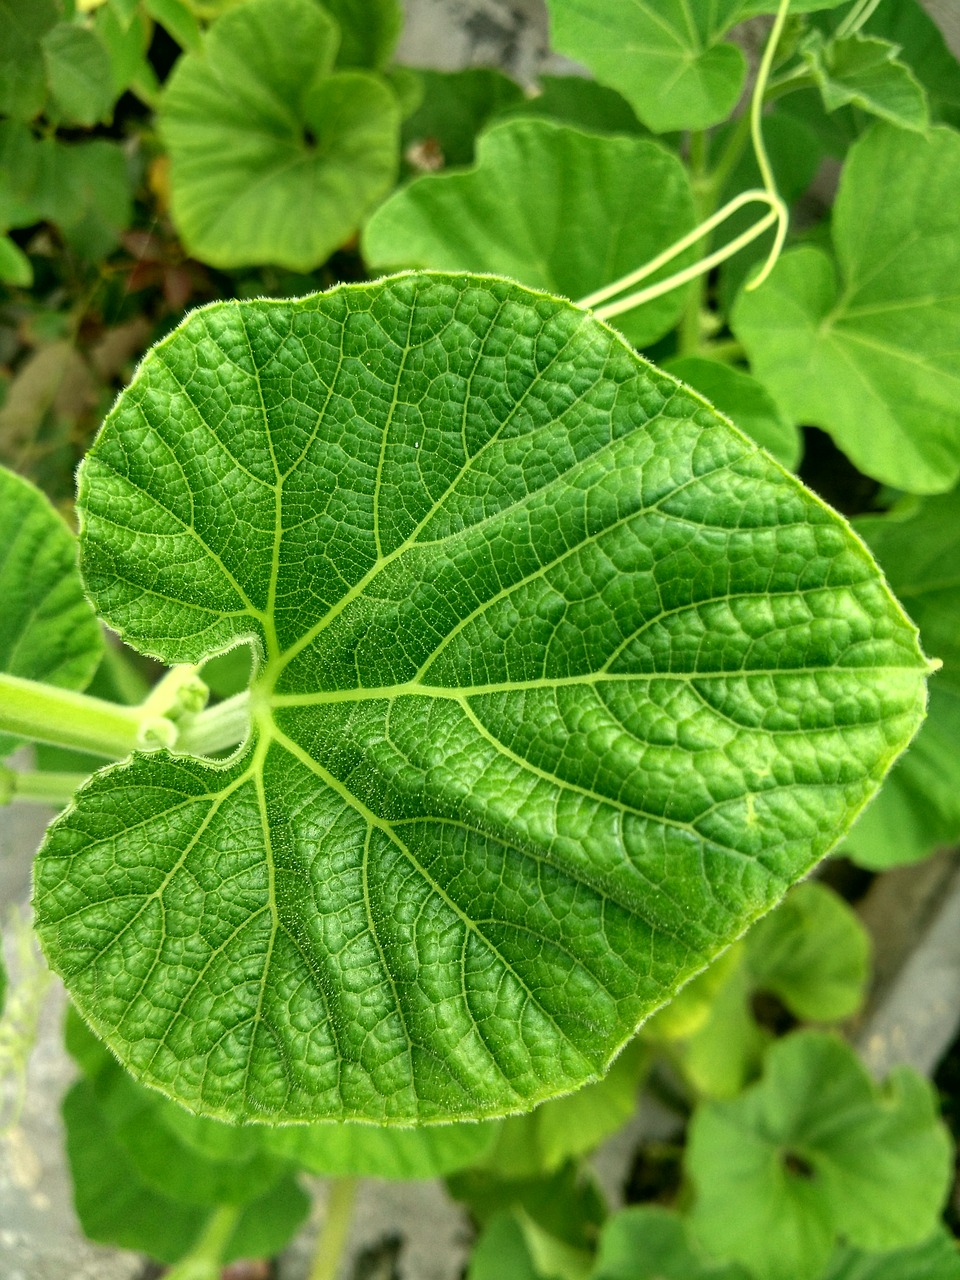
<point x="919" y="805"/>
<point x="552" y="207"/>
<point x="561" y="681"/>
<point x="274" y="156"/>
<point x="667" y="57"/>
<point x="813" y="1152"/>
<point x="48" y="631"/>
<point x="866" y="348"/>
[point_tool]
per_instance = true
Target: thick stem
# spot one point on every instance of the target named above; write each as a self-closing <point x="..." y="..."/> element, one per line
<point x="44" y="713"/>
<point x="336" y="1228"/>
<point x="37" y="787"/>
<point x="689" y="331"/>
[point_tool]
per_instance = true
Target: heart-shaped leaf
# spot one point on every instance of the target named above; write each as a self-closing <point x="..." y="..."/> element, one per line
<point x="866" y="348"/>
<point x="560" y="683"/>
<point x="552" y="207"/>
<point x="274" y="156"/>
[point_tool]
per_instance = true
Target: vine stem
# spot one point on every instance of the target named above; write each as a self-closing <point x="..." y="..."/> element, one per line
<point x="38" y="787"/>
<point x="778" y="215"/>
<point x="335" y="1230"/>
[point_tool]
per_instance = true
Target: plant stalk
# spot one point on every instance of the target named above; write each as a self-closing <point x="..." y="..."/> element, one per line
<point x="335" y="1230"/>
<point x="38" y="787"/>
<point x="217" y="728"/>
<point x="64" y="718"/>
<point x="205" y="1259"/>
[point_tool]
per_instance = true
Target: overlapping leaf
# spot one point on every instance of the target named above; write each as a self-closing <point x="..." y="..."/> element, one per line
<point x="866" y="348"/>
<point x="919" y="806"/>
<point x="552" y="207"/>
<point x="48" y="630"/>
<point x="561" y="682"/>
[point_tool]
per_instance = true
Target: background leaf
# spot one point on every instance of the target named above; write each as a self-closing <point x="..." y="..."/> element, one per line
<point x="816" y="1150"/>
<point x="865" y="349"/>
<point x="369" y="30"/>
<point x="525" y="752"/>
<point x="865" y="72"/>
<point x="23" y="76"/>
<point x="79" y="75"/>
<point x="48" y="631"/>
<point x="552" y="207"/>
<point x="919" y="805"/>
<point x="275" y="158"/>
<point x="650" y="1243"/>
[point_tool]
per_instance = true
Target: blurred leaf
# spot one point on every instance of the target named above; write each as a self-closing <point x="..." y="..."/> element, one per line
<point x="456" y="106"/>
<point x="48" y="630"/>
<point x="228" y="673"/>
<point x="863" y="71"/>
<point x="812" y="952"/>
<point x="918" y="548"/>
<point x="726" y="1050"/>
<point x="865" y="349"/>
<point x="556" y="1131"/>
<point x="549" y="206"/>
<point x="580" y="102"/>
<point x="365" y="1151"/>
<point x="936" y="1259"/>
<point x="15" y="267"/>
<point x="273" y="158"/>
<point x="126" y="46"/>
<point x="650" y="1243"/>
<point x="924" y="50"/>
<point x="177" y="19"/>
<point x="115" y="1207"/>
<point x="745" y="401"/>
<point x="691" y="1006"/>
<point x="501" y="1252"/>
<point x="567" y="1205"/>
<point x="79" y="75"/>
<point x="369" y="30"/>
<point x="23" y="75"/>
<point x="813" y="1152"/>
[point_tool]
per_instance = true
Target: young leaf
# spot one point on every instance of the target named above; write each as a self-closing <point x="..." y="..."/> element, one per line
<point x="745" y="401"/>
<point x="650" y="1243"/>
<point x="813" y="953"/>
<point x="115" y="1207"/>
<point x="862" y="71"/>
<point x="815" y="1151"/>
<point x="561" y="682"/>
<point x="865" y="349"/>
<point x="559" y="1130"/>
<point x="48" y="630"/>
<point x="552" y="207"/>
<point x="274" y="157"/>
<point x="919" y="805"/>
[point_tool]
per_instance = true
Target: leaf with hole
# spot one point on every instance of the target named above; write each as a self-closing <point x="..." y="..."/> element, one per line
<point x="560" y="682"/>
